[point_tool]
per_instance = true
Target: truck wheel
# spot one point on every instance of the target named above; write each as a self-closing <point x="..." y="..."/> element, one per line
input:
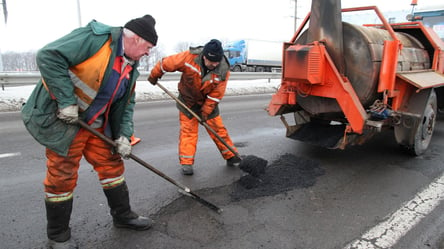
<point x="423" y="133"/>
<point x="237" y="69"/>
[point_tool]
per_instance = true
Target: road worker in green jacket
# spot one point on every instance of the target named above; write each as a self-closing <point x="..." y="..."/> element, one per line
<point x="90" y="75"/>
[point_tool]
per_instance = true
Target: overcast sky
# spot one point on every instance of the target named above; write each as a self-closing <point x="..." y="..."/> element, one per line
<point x="34" y="23"/>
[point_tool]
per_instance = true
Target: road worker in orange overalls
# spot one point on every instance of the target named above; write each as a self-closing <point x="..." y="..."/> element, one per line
<point x="205" y="72"/>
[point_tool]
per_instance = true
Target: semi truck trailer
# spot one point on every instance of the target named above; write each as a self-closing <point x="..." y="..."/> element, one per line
<point x="254" y="55"/>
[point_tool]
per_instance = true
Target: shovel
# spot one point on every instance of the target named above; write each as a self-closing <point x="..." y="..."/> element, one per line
<point x="199" y="119"/>
<point x="248" y="163"/>
<point x="183" y="189"/>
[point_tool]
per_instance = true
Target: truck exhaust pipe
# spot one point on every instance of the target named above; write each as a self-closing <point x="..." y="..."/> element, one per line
<point x="326" y="26"/>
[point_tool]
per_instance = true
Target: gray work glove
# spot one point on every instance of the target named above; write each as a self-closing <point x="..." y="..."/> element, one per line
<point x="69" y="114"/>
<point x="123" y="147"/>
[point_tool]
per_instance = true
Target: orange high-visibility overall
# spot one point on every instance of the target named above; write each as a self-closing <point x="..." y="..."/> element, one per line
<point x="201" y="89"/>
<point x="62" y="172"/>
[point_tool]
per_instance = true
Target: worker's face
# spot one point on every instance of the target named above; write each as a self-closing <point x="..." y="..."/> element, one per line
<point x="137" y="47"/>
<point x="210" y="64"/>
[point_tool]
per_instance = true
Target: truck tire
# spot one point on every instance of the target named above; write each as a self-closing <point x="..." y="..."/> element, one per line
<point x="237" y="68"/>
<point x="416" y="142"/>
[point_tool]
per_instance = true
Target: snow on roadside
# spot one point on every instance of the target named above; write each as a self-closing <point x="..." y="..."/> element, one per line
<point x="12" y="98"/>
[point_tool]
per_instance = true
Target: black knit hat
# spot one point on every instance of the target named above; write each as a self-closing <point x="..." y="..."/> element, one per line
<point x="144" y="27"/>
<point x="213" y="50"/>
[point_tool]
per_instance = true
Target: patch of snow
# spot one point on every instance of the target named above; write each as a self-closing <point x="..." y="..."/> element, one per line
<point x="12" y="98"/>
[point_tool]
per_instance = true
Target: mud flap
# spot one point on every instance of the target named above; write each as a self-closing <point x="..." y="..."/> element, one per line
<point x="405" y="131"/>
<point x="316" y="133"/>
<point x="328" y="136"/>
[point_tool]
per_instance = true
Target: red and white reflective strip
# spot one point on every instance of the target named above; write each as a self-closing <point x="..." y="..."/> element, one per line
<point x="193" y="68"/>
<point x="112" y="182"/>
<point x="213" y="99"/>
<point x="58" y="197"/>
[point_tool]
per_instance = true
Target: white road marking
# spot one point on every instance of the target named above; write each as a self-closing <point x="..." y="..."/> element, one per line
<point x="389" y="232"/>
<point x="10" y="154"/>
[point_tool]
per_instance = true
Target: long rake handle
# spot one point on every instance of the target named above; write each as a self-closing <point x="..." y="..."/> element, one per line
<point x="185" y="189"/>
<point x="198" y="119"/>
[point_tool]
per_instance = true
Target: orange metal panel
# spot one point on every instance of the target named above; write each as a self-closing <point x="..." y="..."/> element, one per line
<point x="404" y="90"/>
<point x="333" y="85"/>
<point x="278" y="99"/>
<point x="388" y="66"/>
<point x="304" y="64"/>
<point x="310" y="70"/>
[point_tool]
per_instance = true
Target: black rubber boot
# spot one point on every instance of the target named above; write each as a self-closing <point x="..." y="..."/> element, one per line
<point x="58" y="215"/>
<point x="187" y="169"/>
<point x="123" y="217"/>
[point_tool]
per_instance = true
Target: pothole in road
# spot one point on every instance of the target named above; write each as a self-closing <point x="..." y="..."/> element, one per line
<point x="186" y="218"/>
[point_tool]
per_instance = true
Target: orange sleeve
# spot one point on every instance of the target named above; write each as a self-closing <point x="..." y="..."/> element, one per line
<point x="170" y="63"/>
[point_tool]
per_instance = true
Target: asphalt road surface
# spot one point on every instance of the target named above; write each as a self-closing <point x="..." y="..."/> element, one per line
<point x="368" y="196"/>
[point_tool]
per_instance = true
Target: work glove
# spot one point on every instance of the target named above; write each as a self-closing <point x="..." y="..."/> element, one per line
<point x="153" y="80"/>
<point x="69" y="114"/>
<point x="123" y="147"/>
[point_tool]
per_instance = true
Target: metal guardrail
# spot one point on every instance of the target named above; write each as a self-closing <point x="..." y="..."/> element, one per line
<point x="27" y="78"/>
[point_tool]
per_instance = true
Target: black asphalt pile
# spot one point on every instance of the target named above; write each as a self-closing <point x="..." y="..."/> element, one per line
<point x="284" y="174"/>
<point x="253" y="165"/>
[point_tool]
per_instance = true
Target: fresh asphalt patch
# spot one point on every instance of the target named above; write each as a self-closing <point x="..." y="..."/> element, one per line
<point x="286" y="173"/>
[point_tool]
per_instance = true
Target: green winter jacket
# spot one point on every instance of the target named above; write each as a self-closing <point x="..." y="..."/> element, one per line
<point x="54" y="60"/>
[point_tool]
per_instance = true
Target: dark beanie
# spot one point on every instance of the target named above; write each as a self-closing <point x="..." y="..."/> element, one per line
<point x="213" y="50"/>
<point x="144" y="27"/>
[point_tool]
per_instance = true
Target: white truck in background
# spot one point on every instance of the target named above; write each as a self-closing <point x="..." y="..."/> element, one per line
<point x="254" y="55"/>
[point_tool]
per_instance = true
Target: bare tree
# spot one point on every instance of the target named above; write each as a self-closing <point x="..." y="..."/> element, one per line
<point x="14" y="61"/>
<point x="148" y="62"/>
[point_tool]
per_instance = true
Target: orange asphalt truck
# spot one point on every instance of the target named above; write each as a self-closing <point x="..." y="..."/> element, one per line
<point x="342" y="83"/>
